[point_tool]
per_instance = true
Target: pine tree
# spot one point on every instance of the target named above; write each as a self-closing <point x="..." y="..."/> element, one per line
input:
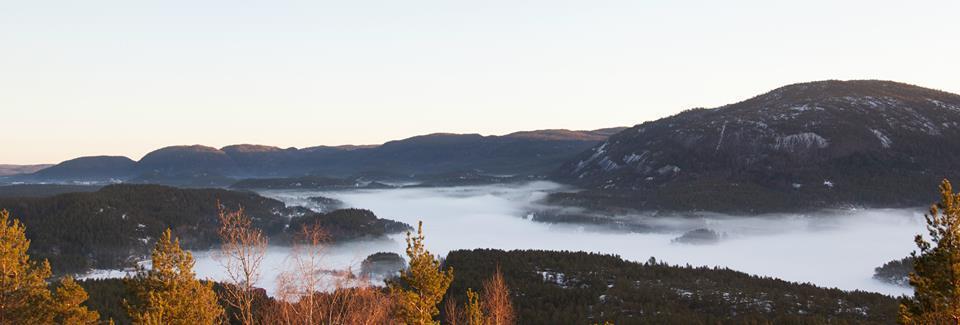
<point x="474" y="310"/>
<point x="24" y="295"/>
<point x="169" y="292"/>
<point x="67" y="303"/>
<point x="936" y="276"/>
<point x="422" y="286"/>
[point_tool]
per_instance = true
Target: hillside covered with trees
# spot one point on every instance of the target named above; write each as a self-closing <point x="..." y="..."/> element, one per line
<point x="552" y="287"/>
<point x="112" y="227"/>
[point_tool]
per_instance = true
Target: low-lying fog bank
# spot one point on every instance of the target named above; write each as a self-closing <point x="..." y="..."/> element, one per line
<point x="838" y="249"/>
<point x="278" y="259"/>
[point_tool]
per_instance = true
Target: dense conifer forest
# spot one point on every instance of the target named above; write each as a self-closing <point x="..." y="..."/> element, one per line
<point x="114" y="226"/>
<point x="550" y="287"/>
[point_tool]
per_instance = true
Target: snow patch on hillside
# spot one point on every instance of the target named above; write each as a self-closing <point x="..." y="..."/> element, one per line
<point x="884" y="140"/>
<point x="608" y="165"/>
<point x="944" y="105"/>
<point x="597" y="153"/>
<point x="806" y="140"/>
<point x="633" y="157"/>
<point x="806" y="107"/>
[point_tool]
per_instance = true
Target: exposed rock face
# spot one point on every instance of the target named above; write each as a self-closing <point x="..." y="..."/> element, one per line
<point x="848" y="138"/>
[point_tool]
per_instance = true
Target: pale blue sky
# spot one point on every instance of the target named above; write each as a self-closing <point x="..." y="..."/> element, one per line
<point x="125" y="77"/>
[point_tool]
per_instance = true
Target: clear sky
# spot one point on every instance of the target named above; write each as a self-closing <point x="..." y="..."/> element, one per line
<point x="125" y="77"/>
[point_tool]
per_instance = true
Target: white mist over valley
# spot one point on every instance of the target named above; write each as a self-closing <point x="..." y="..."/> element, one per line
<point x="837" y="249"/>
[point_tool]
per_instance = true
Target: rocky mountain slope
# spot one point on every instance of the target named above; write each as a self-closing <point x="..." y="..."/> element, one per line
<point x="818" y="144"/>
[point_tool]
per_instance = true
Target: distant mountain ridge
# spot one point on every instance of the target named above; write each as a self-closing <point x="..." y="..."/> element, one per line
<point x="89" y="168"/>
<point x="817" y="144"/>
<point x="530" y="152"/>
<point x="7" y="170"/>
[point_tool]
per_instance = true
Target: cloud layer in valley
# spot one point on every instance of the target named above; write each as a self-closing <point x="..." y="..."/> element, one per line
<point x="836" y="249"/>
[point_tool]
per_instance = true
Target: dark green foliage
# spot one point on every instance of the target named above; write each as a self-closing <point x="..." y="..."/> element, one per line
<point x="381" y="264"/>
<point x="43" y="190"/>
<point x="348" y="224"/>
<point x="936" y="265"/>
<point x="112" y="227"/>
<point x="584" y="288"/>
<point x="701" y="236"/>
<point x="106" y="297"/>
<point x="104" y="229"/>
<point x="325" y="204"/>
<point x="895" y="272"/>
<point x="262" y="303"/>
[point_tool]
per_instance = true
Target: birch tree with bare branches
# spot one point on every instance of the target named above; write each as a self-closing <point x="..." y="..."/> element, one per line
<point x="242" y="250"/>
<point x="308" y="293"/>
<point x="496" y="300"/>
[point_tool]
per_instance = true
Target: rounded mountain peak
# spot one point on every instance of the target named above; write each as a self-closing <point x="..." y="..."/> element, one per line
<point x="195" y="157"/>
<point x="249" y="148"/>
<point x="840" y="92"/>
<point x="832" y="138"/>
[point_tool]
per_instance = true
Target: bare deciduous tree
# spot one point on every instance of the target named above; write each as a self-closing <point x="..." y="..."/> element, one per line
<point x="242" y="250"/>
<point x="496" y="300"/>
<point x="452" y="314"/>
<point x="310" y="294"/>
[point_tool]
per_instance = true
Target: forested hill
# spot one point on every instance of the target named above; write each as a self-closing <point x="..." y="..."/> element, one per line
<point x="104" y="229"/>
<point x="530" y="152"/>
<point x="809" y="145"/>
<point x="117" y="224"/>
<point x="550" y="287"/>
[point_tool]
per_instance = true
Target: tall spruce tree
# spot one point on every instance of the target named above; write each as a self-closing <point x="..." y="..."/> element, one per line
<point x="422" y="286"/>
<point x="936" y="275"/>
<point x="168" y="292"/>
<point x="25" y="297"/>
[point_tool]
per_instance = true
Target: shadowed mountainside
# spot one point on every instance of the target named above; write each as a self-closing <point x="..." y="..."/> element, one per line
<point x="810" y="145"/>
<point x="533" y="152"/>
